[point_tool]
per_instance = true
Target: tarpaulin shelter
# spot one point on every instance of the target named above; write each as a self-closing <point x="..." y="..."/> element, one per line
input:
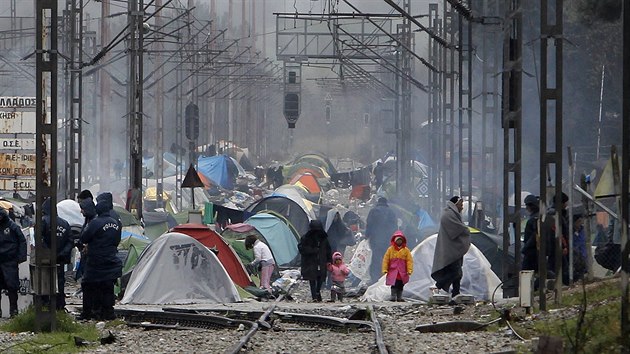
<point x="479" y="279"/>
<point x="218" y="170"/>
<point x="177" y="269"/>
<point x="289" y="209"/>
<point x="225" y="252"/>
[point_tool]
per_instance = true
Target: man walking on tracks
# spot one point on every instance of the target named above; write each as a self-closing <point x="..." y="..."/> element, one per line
<point x="453" y="241"/>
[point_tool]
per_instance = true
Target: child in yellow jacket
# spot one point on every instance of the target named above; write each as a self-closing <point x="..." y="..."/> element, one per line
<point x="398" y="265"/>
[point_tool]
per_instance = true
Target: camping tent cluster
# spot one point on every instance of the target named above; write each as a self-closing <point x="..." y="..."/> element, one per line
<point x="170" y="261"/>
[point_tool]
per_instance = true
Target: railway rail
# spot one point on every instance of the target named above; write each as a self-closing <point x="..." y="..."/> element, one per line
<point x="362" y="321"/>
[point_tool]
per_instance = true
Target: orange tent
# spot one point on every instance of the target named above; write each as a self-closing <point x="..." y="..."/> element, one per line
<point x="308" y="181"/>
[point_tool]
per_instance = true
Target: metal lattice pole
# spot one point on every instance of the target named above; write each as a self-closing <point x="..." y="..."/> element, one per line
<point x="625" y="176"/>
<point x="551" y="104"/>
<point x="512" y="126"/>
<point x="490" y="109"/>
<point x="44" y="275"/>
<point x="135" y="104"/>
<point x="75" y="102"/>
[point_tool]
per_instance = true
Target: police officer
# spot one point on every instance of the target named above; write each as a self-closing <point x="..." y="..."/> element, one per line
<point x="12" y="253"/>
<point x="65" y="245"/>
<point x="101" y="237"/>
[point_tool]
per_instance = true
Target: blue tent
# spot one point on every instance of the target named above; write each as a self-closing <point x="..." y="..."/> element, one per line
<point x="215" y="168"/>
<point x="279" y="237"/>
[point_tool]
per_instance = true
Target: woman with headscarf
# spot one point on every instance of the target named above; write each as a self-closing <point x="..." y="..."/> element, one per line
<point x="316" y="254"/>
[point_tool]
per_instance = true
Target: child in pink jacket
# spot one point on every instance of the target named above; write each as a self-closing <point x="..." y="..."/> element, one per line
<point x="338" y="272"/>
<point x="397" y="265"/>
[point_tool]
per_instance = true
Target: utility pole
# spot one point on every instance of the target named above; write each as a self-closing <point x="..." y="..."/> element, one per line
<point x="74" y="116"/>
<point x="44" y="277"/>
<point x="490" y="109"/>
<point x="512" y="126"/>
<point x="448" y="102"/>
<point x="551" y="29"/>
<point x="435" y="116"/>
<point x="104" y="123"/>
<point x="625" y="176"/>
<point x="403" y="183"/>
<point x="134" y="104"/>
<point x="465" y="108"/>
<point x="159" y="115"/>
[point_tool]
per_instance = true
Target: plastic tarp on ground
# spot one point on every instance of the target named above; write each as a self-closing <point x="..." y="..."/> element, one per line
<point x="177" y="269"/>
<point x="215" y="168"/>
<point x="228" y="257"/>
<point x="286" y="207"/>
<point x="479" y="280"/>
<point x="279" y="238"/>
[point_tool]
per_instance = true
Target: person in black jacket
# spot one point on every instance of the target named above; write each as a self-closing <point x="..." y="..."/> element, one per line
<point x="12" y="253"/>
<point x="64" y="249"/>
<point x="101" y="237"/>
<point x="316" y="254"/>
<point x="380" y="226"/>
<point x="530" y="248"/>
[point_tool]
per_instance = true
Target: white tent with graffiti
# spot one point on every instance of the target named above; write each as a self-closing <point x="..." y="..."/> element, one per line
<point x="177" y="269"/>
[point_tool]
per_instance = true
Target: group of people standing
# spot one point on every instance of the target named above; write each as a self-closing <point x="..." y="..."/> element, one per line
<point x="389" y="244"/>
<point x="97" y="241"/>
<point x="390" y="255"/>
<point x="532" y="240"/>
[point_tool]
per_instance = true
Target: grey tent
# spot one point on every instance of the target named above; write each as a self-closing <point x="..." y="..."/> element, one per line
<point x="177" y="269"/>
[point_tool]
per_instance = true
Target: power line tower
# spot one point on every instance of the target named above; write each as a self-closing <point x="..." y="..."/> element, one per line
<point x="490" y="108"/>
<point x="404" y="64"/>
<point x="73" y="16"/>
<point x="134" y="103"/>
<point x="551" y="30"/>
<point x="44" y="281"/>
<point x="159" y="115"/>
<point x="512" y="126"/>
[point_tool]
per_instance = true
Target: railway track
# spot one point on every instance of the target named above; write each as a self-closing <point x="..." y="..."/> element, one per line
<point x="362" y="329"/>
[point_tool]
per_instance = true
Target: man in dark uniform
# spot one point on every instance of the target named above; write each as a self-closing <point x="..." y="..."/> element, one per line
<point x="12" y="253"/>
<point x="65" y="245"/>
<point x="101" y="236"/>
<point x="530" y="247"/>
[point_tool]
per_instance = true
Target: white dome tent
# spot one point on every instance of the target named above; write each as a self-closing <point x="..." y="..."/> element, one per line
<point x="479" y="280"/>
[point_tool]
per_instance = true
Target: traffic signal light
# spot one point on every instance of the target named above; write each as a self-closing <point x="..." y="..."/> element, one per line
<point x="192" y="121"/>
<point x="291" y="108"/>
